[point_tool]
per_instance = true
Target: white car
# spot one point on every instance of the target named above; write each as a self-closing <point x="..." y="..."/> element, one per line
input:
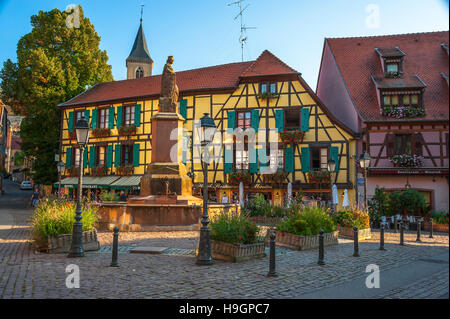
<point x="26" y="185"/>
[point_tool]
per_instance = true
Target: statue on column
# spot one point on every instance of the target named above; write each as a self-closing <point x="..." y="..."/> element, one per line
<point x="169" y="89"/>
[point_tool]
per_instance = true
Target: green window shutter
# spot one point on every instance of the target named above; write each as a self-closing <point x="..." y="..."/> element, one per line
<point x="183" y="109"/>
<point x="279" y="120"/>
<point x="109" y="155"/>
<point x="289" y="159"/>
<point x="136" y="154"/>
<point x="111" y="117"/>
<point x="91" y="156"/>
<point x="253" y="158"/>
<point x="68" y="157"/>
<point x="85" y="158"/>
<point x="119" y="116"/>
<point x="334" y="154"/>
<point x="184" y="150"/>
<point x="228" y="165"/>
<point x="255" y="120"/>
<point x="305" y="159"/>
<point x="117" y="156"/>
<point x="137" y="115"/>
<point x="87" y="115"/>
<point x="304" y="119"/>
<point x="94" y="119"/>
<point x="263" y="160"/>
<point x="70" y="123"/>
<point x="231" y="119"/>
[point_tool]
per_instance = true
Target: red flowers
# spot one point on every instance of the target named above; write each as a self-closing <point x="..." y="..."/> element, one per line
<point x="292" y="137"/>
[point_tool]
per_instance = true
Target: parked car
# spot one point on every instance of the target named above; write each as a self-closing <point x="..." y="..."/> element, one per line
<point x="26" y="185"/>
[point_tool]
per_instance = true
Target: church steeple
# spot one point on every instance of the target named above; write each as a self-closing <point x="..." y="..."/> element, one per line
<point x="139" y="63"/>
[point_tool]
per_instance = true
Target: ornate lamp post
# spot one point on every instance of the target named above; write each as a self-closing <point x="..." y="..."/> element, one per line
<point x="60" y="167"/>
<point x="206" y="134"/>
<point x="76" y="249"/>
<point x="331" y="165"/>
<point x="364" y="162"/>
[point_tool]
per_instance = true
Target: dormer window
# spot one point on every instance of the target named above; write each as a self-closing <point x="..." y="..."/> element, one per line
<point x="391" y="61"/>
<point x="391" y="67"/>
<point x="268" y="90"/>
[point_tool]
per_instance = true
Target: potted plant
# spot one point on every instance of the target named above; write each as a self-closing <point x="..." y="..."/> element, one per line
<point x="101" y="132"/>
<point x="99" y="171"/>
<point x="240" y="176"/>
<point x="319" y="177"/>
<point x="378" y="205"/>
<point x="52" y="225"/>
<point x="235" y="238"/>
<point x="440" y="221"/>
<point x="127" y="130"/>
<point x="292" y="136"/>
<point x="349" y="218"/>
<point x="300" y="230"/>
<point x="106" y="196"/>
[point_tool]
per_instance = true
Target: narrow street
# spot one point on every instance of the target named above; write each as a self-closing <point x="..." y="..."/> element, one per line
<point x="14" y="204"/>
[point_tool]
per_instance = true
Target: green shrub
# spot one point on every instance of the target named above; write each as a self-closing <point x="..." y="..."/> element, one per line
<point x="233" y="228"/>
<point x="395" y="205"/>
<point x="55" y="216"/>
<point x="412" y="201"/>
<point x="378" y="205"/>
<point x="258" y="206"/>
<point x="439" y="217"/>
<point x="109" y="196"/>
<point x="352" y="217"/>
<point x="308" y="222"/>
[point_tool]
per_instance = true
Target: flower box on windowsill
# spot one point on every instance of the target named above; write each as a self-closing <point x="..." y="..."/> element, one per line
<point x="72" y="135"/>
<point x="275" y="178"/>
<point x="403" y="111"/>
<point x="268" y="95"/>
<point x="319" y="177"/>
<point x="292" y="136"/>
<point x="124" y="170"/>
<point x="99" y="171"/>
<point x="101" y="132"/>
<point x="240" y="176"/>
<point x="407" y="161"/>
<point x="127" y="130"/>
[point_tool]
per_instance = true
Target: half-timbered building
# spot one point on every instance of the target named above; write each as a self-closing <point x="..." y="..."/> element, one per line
<point x="394" y="90"/>
<point x="259" y="94"/>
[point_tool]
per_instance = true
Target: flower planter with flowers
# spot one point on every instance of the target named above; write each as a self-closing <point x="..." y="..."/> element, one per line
<point x="235" y="238"/>
<point x="292" y="137"/>
<point x="127" y="130"/>
<point x="276" y="178"/>
<point x="101" y="132"/>
<point x="73" y="135"/>
<point x="399" y="112"/>
<point x="299" y="242"/>
<point x="268" y="95"/>
<point x="126" y="170"/>
<point x="349" y="218"/>
<point x="321" y="177"/>
<point x="99" y="171"/>
<point x="240" y="176"/>
<point x="407" y="161"/>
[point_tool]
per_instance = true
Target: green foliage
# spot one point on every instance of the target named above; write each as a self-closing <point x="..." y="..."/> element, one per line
<point x="258" y="206"/>
<point x="55" y="216"/>
<point x="412" y="201"/>
<point x="18" y="158"/>
<point x="352" y="217"/>
<point x="54" y="64"/>
<point x="378" y="205"/>
<point x="440" y="217"/>
<point x="308" y="222"/>
<point x="233" y="228"/>
<point x="395" y="204"/>
<point x="109" y="196"/>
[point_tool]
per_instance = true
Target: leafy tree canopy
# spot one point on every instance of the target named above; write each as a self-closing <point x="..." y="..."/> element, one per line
<point x="54" y="64"/>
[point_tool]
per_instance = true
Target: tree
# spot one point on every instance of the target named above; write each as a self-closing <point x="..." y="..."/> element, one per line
<point x="54" y="64"/>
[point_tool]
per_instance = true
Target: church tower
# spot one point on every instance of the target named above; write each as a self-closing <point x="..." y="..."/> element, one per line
<point x="139" y="63"/>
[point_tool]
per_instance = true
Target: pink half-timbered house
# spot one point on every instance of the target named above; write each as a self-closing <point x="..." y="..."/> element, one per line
<point x="393" y="90"/>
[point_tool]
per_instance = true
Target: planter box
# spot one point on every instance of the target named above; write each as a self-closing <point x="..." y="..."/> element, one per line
<point x="304" y="242"/>
<point x="440" y="228"/>
<point x="236" y="253"/>
<point x="347" y="232"/>
<point x="62" y="243"/>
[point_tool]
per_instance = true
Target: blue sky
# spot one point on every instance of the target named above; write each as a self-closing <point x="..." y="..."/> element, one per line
<point x="201" y="33"/>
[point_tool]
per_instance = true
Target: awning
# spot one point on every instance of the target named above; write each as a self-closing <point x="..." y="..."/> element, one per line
<point x="127" y="182"/>
<point x="88" y="182"/>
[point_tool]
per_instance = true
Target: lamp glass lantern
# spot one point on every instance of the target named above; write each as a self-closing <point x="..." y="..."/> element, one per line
<point x="82" y="131"/>
<point x="331" y="165"/>
<point x="207" y="129"/>
<point x="364" y="160"/>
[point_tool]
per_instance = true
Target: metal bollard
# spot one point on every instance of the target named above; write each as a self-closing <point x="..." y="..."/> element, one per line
<point x="355" y="239"/>
<point x="272" y="272"/>
<point x="115" y="247"/>
<point x="419" y="225"/>
<point x="395" y="224"/>
<point x="382" y="237"/>
<point x="321" y="252"/>
<point x="431" y="228"/>
<point x="402" y="231"/>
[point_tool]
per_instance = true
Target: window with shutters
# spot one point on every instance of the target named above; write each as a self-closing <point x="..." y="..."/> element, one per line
<point x="77" y="116"/>
<point x="402" y="144"/>
<point x="101" y="155"/>
<point x="268" y="88"/>
<point x="103" y="118"/>
<point x="127" y="154"/>
<point x="244" y="119"/>
<point x="292" y="119"/>
<point x="76" y="157"/>
<point x="241" y="158"/>
<point x="319" y="158"/>
<point x="128" y="115"/>
<point x="276" y="158"/>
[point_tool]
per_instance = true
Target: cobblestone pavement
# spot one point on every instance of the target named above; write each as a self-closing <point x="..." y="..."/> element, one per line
<point x="27" y="274"/>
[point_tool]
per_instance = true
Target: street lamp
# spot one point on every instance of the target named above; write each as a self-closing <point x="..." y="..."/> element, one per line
<point x="206" y="134"/>
<point x="331" y="165"/>
<point x="364" y="162"/>
<point x="82" y="132"/>
<point x="60" y="167"/>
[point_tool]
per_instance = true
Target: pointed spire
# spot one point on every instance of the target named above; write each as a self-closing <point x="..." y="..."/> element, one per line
<point x="139" y="52"/>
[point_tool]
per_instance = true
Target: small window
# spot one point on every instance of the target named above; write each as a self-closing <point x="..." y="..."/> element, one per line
<point x="268" y="88"/>
<point x="402" y="144"/>
<point x="273" y="88"/>
<point x="101" y="155"/>
<point x="263" y="88"/>
<point x="277" y="158"/>
<point x="292" y="119"/>
<point x="242" y="159"/>
<point x="387" y="100"/>
<point x="103" y="118"/>
<point x="392" y="68"/>
<point x="77" y="116"/>
<point x="319" y="158"/>
<point x="127" y="154"/>
<point x="244" y="119"/>
<point x="128" y="115"/>
<point x="139" y="72"/>
<point x="414" y="99"/>
<point x="406" y="99"/>
<point x="394" y="100"/>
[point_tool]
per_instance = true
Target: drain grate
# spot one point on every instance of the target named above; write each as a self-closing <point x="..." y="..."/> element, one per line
<point x="121" y="249"/>
<point x="179" y="252"/>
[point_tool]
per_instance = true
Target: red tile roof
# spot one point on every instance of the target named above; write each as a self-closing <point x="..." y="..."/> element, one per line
<point x="357" y="61"/>
<point x="224" y="76"/>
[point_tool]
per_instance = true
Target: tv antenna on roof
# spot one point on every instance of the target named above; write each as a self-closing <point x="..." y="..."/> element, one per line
<point x="243" y="37"/>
